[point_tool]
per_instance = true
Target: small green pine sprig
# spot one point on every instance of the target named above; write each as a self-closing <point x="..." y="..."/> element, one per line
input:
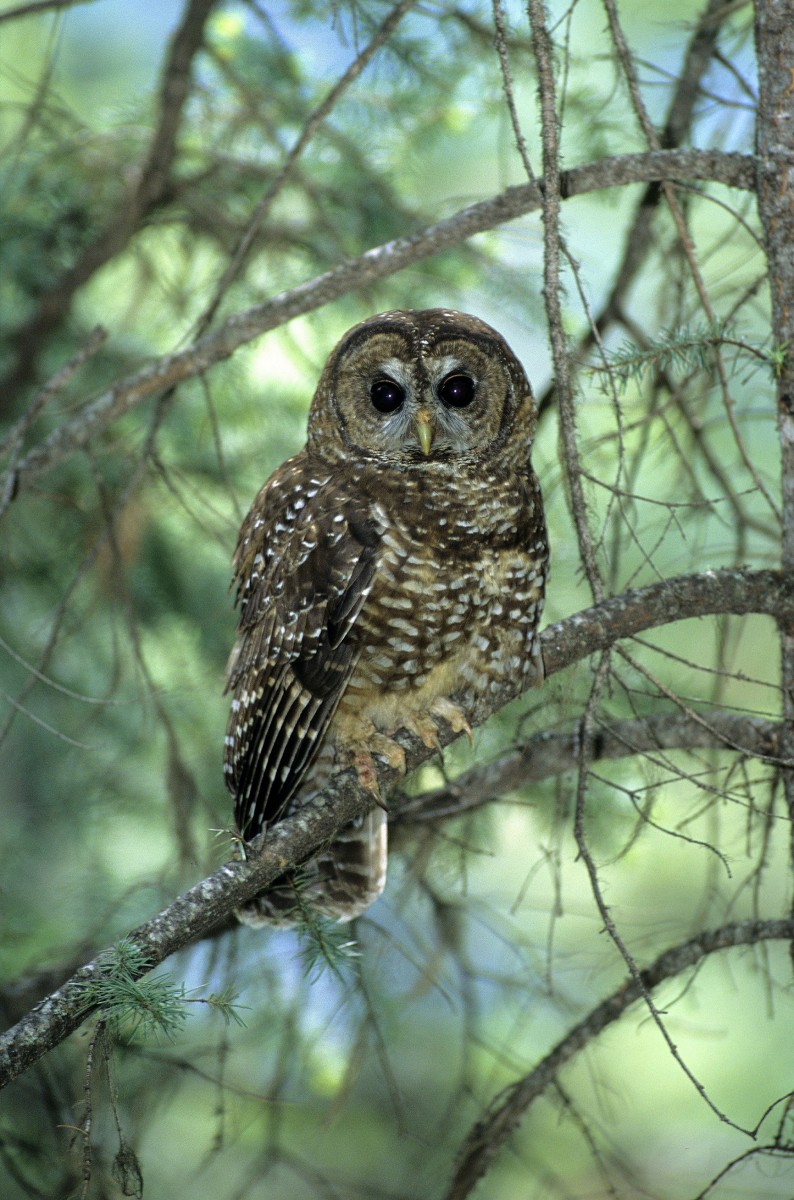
<point x="324" y="943"/>
<point x="686" y="349"/>
<point x="134" y="1003"/>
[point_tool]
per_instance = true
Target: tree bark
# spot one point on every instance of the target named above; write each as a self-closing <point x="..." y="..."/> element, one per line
<point x="774" y="43"/>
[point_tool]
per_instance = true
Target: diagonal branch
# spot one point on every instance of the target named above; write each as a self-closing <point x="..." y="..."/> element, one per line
<point x="489" y="1134"/>
<point x="192" y="915"/>
<point x="733" y="170"/>
<point x="36" y="7"/>
<point x="149" y="191"/>
<point x="548" y="753"/>
<point x="276" y="185"/>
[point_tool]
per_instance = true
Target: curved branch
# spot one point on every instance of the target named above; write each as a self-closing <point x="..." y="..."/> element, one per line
<point x="736" y="591"/>
<point x="733" y="170"/>
<point x="490" y="1133"/>
<point x="547" y="754"/>
<point x="192" y="915"/>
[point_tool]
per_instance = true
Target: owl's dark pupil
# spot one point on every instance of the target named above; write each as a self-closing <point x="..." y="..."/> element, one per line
<point x="456" y="391"/>
<point x="386" y="395"/>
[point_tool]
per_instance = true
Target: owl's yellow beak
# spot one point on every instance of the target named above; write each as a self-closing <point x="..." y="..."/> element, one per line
<point x="425" y="429"/>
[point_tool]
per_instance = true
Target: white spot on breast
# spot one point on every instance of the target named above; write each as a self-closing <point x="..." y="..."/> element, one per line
<point x="402" y="624"/>
<point x="395" y="601"/>
<point x="402" y="646"/>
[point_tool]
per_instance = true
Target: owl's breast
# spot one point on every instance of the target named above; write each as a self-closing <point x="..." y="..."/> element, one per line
<point x="453" y="610"/>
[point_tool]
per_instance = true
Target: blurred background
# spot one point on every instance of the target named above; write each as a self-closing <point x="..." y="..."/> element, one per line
<point x="362" y="1074"/>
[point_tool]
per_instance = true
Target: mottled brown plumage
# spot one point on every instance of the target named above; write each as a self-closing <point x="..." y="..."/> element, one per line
<point x="389" y="575"/>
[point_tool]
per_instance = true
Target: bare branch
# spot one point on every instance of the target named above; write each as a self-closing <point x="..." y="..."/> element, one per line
<point x="489" y="1134"/>
<point x="552" y="294"/>
<point x="638" y="240"/>
<point x="774" y="37"/>
<point x="685" y="238"/>
<point x="547" y="754"/>
<point x="36" y="7"/>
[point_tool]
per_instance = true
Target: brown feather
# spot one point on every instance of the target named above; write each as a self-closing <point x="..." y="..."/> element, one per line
<point x="301" y="584"/>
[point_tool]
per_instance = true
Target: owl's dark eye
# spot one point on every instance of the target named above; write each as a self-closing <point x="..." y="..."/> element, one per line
<point x="457" y="391"/>
<point x="386" y="395"/>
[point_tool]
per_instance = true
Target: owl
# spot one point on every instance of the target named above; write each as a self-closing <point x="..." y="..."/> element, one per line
<point x="389" y="576"/>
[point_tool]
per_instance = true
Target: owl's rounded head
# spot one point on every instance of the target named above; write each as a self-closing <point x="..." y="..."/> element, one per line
<point x="416" y="387"/>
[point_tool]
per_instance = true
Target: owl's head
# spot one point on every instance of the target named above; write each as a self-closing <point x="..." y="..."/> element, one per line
<point x="415" y="387"/>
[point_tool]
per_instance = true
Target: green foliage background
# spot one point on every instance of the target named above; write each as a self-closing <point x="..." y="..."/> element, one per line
<point x="116" y="620"/>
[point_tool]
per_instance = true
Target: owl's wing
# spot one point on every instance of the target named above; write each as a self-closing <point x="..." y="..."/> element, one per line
<point x="304" y="565"/>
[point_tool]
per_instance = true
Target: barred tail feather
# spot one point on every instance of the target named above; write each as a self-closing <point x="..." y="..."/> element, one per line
<point x="343" y="880"/>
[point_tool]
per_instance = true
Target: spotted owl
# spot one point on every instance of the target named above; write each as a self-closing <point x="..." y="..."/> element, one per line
<point x="391" y="575"/>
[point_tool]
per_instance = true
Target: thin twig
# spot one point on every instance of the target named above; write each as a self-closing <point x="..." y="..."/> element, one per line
<point x="491" y="1131"/>
<point x="654" y="143"/>
<point x="552" y="289"/>
<point x="313" y="123"/>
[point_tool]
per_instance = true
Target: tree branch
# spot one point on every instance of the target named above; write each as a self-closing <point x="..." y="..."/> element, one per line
<point x="637" y="242"/>
<point x="547" y="754"/>
<point x="296" y="839"/>
<point x="149" y="190"/>
<point x="37" y="7"/>
<point x="733" y="170"/>
<point x="553" y="249"/>
<point x="490" y="1133"/>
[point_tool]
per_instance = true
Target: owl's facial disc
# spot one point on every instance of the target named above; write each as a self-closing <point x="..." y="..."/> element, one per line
<point x="418" y="390"/>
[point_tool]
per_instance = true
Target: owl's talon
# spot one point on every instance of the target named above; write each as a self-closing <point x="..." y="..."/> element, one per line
<point x="391" y="751"/>
<point x="359" y="750"/>
<point x="365" y="772"/>
<point x="454" y="716"/>
<point x="425" y="729"/>
<point x="365" y="769"/>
